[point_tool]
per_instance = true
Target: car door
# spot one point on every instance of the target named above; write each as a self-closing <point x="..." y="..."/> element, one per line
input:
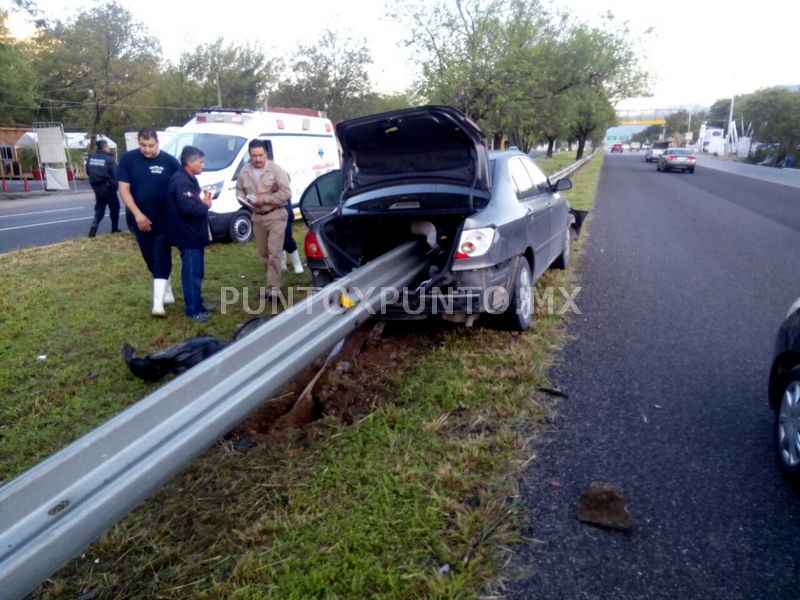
<point x="321" y="196"/>
<point x="557" y="209"/>
<point x="537" y="214"/>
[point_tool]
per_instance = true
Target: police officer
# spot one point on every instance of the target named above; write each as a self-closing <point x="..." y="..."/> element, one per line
<point x="101" y="168"/>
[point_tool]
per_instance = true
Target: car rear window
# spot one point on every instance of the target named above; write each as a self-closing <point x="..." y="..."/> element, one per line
<point x="681" y="152"/>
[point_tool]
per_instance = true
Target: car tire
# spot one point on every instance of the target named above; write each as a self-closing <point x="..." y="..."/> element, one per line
<point x="240" y="229"/>
<point x="658" y="168"/>
<point x="691" y="170"/>
<point x="786" y="429"/>
<point x="519" y="314"/>
<point x="565" y="258"/>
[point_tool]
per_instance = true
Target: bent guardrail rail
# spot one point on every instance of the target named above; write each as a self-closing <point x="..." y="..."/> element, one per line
<point x="57" y="508"/>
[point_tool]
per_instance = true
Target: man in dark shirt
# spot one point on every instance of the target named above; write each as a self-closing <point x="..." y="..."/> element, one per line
<point x="101" y="168"/>
<point x="143" y="177"/>
<point x="187" y="228"/>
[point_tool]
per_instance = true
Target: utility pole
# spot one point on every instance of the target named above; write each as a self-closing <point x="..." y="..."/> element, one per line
<point x="730" y="122"/>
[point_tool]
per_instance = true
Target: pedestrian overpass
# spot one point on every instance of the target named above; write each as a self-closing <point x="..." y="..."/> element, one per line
<point x="653" y="116"/>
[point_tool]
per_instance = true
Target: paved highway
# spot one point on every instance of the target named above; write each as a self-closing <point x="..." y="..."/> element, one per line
<point x="36" y="218"/>
<point x="685" y="280"/>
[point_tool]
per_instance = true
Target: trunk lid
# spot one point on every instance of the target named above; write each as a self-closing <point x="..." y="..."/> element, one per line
<point x="426" y="145"/>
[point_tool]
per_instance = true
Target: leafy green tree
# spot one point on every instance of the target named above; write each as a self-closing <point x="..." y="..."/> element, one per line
<point x="92" y="64"/>
<point x="459" y="46"/>
<point x="18" y="92"/>
<point x="230" y="76"/>
<point x="591" y="113"/>
<point x="329" y="76"/>
<point x="775" y="117"/>
<point x="510" y="65"/>
<point x="649" y="134"/>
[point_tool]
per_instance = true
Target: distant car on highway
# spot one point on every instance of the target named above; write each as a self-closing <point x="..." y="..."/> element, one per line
<point x="655" y="150"/>
<point x="784" y="395"/>
<point x="677" y="159"/>
<point x="616" y="147"/>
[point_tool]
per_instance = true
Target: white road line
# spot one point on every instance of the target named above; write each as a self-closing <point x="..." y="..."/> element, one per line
<point x="43" y="212"/>
<point x="48" y="223"/>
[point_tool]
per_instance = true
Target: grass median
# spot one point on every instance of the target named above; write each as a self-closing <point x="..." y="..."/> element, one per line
<point x="412" y="499"/>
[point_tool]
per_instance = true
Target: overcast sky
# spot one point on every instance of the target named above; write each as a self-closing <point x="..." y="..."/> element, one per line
<point x="697" y="52"/>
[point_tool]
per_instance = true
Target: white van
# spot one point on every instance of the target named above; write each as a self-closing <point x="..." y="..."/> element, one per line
<point x="304" y="146"/>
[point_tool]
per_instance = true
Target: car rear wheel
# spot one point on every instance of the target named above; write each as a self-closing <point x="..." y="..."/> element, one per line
<point x="691" y="170"/>
<point x="787" y="427"/>
<point x="519" y="314"/>
<point x="241" y="228"/>
<point x="565" y="258"/>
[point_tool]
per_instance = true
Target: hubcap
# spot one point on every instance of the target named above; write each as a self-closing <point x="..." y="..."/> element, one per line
<point x="789" y="425"/>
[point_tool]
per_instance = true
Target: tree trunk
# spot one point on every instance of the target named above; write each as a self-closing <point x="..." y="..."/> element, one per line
<point x="551" y="142"/>
<point x="581" y="146"/>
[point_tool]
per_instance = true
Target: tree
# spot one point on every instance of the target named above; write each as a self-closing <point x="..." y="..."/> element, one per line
<point x="18" y="92"/>
<point x="228" y="76"/>
<point x="775" y="117"/>
<point x="94" y="63"/>
<point x="591" y="113"/>
<point x="510" y="65"/>
<point x="330" y="76"/>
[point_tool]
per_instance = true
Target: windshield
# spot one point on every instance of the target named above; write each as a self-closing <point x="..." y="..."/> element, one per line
<point x="220" y="150"/>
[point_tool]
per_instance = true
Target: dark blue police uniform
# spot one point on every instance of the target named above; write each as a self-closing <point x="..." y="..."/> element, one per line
<point x="149" y="181"/>
<point x="101" y="168"/>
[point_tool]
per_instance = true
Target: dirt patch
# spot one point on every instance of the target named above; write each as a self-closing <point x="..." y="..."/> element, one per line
<point x="365" y="373"/>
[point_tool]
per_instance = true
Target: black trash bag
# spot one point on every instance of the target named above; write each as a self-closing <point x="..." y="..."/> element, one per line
<point x="580" y="216"/>
<point x="175" y="360"/>
<point x="183" y="356"/>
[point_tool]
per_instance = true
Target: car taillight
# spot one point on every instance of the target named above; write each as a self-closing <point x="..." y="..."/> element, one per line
<point x="474" y="242"/>
<point x="670" y="157"/>
<point x="312" y="246"/>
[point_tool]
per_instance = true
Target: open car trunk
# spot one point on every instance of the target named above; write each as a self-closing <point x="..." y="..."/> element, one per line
<point x="354" y="241"/>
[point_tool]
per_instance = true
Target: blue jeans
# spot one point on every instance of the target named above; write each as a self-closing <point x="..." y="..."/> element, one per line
<point x="192" y="273"/>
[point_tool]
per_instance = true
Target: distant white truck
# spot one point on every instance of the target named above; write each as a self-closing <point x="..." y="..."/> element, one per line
<point x="305" y="146"/>
<point x="132" y="140"/>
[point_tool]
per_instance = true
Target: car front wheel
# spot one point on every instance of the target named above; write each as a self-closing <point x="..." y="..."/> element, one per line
<point x="241" y="227"/>
<point x="519" y="314"/>
<point x="787" y="427"/>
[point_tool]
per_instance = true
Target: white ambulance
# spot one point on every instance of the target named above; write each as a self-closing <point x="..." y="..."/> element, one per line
<point x="305" y="146"/>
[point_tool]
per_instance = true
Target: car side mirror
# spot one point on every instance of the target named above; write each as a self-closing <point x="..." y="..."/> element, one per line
<point x="563" y="184"/>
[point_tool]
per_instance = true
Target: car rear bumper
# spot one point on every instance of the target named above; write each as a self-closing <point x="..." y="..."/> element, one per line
<point x="453" y="296"/>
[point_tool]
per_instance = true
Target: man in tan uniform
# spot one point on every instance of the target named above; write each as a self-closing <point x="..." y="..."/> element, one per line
<point x="265" y="186"/>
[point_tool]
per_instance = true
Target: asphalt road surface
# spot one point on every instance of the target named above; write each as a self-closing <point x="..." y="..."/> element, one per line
<point x="37" y="219"/>
<point x="685" y="279"/>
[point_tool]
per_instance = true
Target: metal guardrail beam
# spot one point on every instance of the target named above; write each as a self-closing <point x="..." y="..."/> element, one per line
<point x="53" y="511"/>
<point x="572" y="168"/>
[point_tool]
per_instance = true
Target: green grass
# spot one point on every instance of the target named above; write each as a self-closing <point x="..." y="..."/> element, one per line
<point x="559" y="160"/>
<point x="375" y="509"/>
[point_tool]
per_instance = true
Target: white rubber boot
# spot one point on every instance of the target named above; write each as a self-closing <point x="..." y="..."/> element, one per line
<point x="283" y="260"/>
<point x="169" y="297"/>
<point x="159" y="287"/>
<point x="297" y="265"/>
